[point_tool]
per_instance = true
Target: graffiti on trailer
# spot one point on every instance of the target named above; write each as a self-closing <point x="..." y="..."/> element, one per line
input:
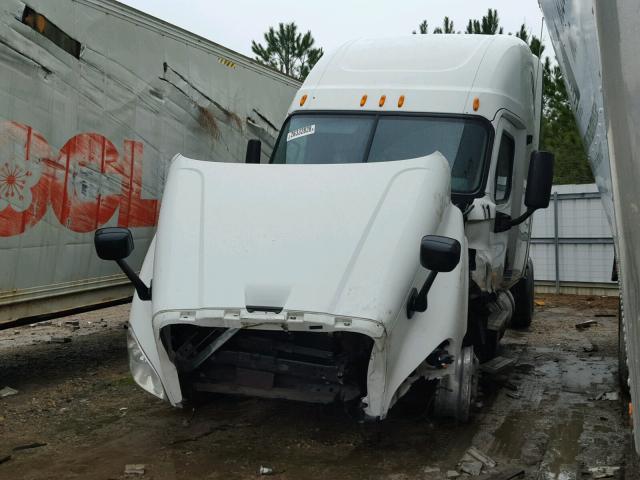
<point x="85" y="183"/>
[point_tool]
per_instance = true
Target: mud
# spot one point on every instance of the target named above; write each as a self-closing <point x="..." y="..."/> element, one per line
<point x="77" y="402"/>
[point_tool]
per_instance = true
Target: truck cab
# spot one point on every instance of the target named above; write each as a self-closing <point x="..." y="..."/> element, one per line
<point x="384" y="241"/>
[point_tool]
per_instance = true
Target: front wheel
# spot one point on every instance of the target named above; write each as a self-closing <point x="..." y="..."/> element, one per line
<point x="457" y="391"/>
<point x="523" y="293"/>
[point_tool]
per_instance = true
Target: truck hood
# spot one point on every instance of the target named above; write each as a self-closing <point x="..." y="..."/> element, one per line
<point x="340" y="239"/>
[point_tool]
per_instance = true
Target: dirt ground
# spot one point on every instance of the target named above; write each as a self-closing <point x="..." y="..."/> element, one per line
<point x="78" y="414"/>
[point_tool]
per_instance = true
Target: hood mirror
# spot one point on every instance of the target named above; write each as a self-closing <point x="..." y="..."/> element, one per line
<point x="437" y="254"/>
<point x="115" y="243"/>
<point x="539" y="180"/>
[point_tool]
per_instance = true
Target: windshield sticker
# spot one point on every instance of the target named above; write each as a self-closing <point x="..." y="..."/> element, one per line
<point x="301" y="132"/>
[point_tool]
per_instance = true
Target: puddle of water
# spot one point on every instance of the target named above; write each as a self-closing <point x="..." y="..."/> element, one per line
<point x="509" y="438"/>
<point x="563" y="448"/>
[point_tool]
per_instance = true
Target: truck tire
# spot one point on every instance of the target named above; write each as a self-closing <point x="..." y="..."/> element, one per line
<point x="623" y="366"/>
<point x="523" y="293"/>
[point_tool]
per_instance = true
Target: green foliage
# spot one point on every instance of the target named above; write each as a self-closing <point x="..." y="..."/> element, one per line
<point x="287" y="50"/>
<point x="423" y="28"/>
<point x="559" y="131"/>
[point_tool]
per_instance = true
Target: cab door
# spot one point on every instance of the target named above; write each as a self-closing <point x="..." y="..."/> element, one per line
<point x="505" y="182"/>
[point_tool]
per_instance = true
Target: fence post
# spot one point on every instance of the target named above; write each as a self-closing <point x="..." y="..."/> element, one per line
<point x="556" y="240"/>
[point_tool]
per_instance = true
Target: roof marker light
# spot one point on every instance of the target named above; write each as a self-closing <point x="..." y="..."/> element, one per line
<point x="401" y="101"/>
<point x="303" y="99"/>
<point x="383" y="98"/>
<point x="363" y="100"/>
<point x="476" y="104"/>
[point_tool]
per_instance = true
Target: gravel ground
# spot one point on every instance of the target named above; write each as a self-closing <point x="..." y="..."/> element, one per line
<point x="78" y="414"/>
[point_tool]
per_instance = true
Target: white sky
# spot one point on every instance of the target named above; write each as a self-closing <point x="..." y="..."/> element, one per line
<point x="234" y="23"/>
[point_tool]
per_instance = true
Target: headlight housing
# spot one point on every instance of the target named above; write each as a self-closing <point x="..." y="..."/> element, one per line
<point x="141" y="370"/>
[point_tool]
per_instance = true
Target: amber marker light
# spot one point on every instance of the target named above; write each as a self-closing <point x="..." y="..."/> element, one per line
<point x="383" y="99"/>
<point x="303" y="99"/>
<point x="363" y="100"/>
<point x="476" y="104"/>
<point x="401" y="101"/>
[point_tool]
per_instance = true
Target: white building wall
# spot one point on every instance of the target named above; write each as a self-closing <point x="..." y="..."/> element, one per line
<point x="585" y="245"/>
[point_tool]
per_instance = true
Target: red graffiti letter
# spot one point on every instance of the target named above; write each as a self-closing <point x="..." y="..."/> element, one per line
<point x="134" y="210"/>
<point x="24" y="178"/>
<point x="86" y="183"/>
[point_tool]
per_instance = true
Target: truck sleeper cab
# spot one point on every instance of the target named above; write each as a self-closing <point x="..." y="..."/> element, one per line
<point x="385" y="241"/>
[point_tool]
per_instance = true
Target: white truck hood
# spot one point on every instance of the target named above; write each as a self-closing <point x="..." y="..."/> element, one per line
<point x="340" y="239"/>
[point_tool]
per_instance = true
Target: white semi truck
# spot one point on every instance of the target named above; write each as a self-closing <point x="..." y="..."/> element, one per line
<point x="385" y="241"/>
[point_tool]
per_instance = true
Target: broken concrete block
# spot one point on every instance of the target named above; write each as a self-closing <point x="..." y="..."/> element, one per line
<point x="586" y="324"/>
<point x="480" y="456"/>
<point x="603" y="472"/>
<point x="7" y="392"/>
<point x="472" y="468"/>
<point x="134" y="469"/>
<point x="453" y="474"/>
<point x="265" y="470"/>
<point x="54" y="339"/>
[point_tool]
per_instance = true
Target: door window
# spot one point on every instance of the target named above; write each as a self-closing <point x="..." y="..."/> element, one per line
<point x="504" y="168"/>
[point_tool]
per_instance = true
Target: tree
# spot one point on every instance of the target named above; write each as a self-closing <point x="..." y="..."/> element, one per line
<point x="488" y="25"/>
<point x="288" y="51"/>
<point x="423" y="28"/>
<point x="447" y="27"/>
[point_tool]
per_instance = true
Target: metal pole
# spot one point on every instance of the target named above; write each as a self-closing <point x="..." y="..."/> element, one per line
<point x="556" y="240"/>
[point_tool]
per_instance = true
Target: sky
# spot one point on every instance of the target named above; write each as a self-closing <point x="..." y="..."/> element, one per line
<point x="234" y="23"/>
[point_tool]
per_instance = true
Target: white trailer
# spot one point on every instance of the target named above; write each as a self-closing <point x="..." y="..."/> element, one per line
<point x="95" y="100"/>
<point x="596" y="42"/>
<point x="385" y="242"/>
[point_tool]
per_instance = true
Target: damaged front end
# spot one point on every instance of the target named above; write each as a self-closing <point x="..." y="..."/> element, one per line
<point x="294" y="365"/>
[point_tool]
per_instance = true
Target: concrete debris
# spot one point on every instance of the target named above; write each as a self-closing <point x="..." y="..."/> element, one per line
<point x="55" y="339"/>
<point x="453" y="474"/>
<point x="7" y="392"/>
<point x="504" y="473"/>
<point x="29" y="446"/>
<point x="480" y="456"/>
<point x="473" y="467"/>
<point x="608" y="396"/>
<point x="431" y="470"/>
<point x="496" y="365"/>
<point x="603" y="472"/>
<point x="265" y="470"/>
<point x="586" y="324"/>
<point x="134" y="469"/>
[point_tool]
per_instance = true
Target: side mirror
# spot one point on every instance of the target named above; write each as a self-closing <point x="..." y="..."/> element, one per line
<point x="115" y="243"/>
<point x="538" y="194"/>
<point x="539" y="180"/>
<point x="438" y="254"/>
<point x="254" y="149"/>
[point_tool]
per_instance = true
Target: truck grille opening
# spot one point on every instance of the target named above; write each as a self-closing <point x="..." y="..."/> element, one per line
<point x="314" y="367"/>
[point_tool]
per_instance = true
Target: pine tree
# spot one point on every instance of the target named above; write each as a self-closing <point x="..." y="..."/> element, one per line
<point x="288" y="51"/>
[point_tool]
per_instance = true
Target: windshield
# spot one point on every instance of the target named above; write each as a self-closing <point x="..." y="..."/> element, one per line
<point x="344" y="138"/>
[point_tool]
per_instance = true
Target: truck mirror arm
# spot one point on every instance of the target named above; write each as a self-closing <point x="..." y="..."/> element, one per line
<point x="504" y="222"/>
<point x="143" y="291"/>
<point x="418" y="300"/>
